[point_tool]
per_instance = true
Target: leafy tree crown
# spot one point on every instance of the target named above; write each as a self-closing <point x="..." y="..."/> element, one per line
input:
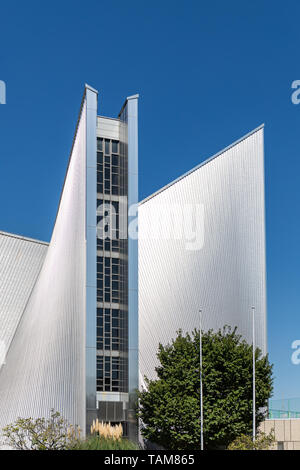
<point x="170" y="407"/>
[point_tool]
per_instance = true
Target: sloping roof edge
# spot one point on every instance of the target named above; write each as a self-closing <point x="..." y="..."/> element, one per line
<point x="208" y="160"/>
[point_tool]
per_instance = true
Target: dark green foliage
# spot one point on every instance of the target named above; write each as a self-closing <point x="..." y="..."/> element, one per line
<point x="170" y="409"/>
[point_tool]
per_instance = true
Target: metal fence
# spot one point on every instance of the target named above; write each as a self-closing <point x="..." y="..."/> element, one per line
<point x="285" y="408"/>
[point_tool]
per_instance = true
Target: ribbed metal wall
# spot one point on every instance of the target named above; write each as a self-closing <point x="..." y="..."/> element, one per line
<point x="45" y="365"/>
<point x="227" y="276"/>
<point x="20" y="262"/>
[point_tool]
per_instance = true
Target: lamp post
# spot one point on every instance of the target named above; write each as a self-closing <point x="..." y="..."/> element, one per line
<point x="201" y="384"/>
<point x="253" y="358"/>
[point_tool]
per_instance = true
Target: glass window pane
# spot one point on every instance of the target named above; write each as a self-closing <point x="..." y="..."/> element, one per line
<point x="115" y="160"/>
<point x="115" y="146"/>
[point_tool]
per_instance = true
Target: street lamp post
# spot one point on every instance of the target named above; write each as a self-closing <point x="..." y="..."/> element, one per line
<point x="201" y="384"/>
<point x="253" y="358"/>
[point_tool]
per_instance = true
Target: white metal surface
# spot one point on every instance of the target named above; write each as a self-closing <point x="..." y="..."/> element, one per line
<point x="108" y="127"/>
<point x="226" y="276"/>
<point x="91" y="255"/>
<point x="45" y="366"/>
<point x="20" y="262"/>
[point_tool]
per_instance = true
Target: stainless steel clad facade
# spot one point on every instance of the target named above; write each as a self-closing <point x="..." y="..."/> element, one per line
<point x="69" y="311"/>
<point x="91" y="97"/>
<point x="117" y="268"/>
<point x="21" y="260"/>
<point x="45" y="365"/>
<point x="202" y="246"/>
<point x="84" y="315"/>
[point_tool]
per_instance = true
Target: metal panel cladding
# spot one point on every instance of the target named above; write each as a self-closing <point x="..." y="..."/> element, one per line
<point x="21" y="260"/>
<point x="202" y="246"/>
<point x="45" y="366"/>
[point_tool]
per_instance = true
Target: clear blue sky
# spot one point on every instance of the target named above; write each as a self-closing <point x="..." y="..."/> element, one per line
<point x="207" y="73"/>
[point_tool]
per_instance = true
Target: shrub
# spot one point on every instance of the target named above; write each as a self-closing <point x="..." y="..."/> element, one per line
<point x="262" y="442"/>
<point x="54" y="433"/>
<point x="104" y="436"/>
<point x="96" y="442"/>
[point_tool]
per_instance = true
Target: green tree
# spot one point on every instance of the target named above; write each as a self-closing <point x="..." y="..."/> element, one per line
<point x="170" y="407"/>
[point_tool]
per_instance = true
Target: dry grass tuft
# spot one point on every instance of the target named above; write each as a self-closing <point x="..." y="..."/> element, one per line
<point x="106" y="430"/>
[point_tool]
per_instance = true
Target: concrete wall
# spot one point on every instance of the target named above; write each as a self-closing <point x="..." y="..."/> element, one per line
<point x="287" y="433"/>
